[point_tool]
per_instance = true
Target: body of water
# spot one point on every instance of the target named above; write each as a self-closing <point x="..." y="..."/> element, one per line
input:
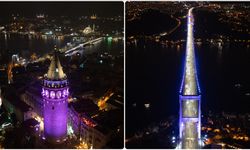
<point x="154" y="73"/>
<point x="25" y="46"/>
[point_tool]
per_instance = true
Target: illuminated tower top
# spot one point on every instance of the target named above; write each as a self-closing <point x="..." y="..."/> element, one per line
<point x="190" y="85"/>
<point x="190" y="98"/>
<point x="55" y="92"/>
<point x="55" y="71"/>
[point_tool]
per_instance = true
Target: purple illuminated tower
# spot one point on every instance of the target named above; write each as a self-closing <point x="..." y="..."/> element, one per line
<point x="190" y="111"/>
<point x="55" y="93"/>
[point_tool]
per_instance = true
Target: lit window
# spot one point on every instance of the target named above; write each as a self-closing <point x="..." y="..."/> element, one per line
<point x="58" y="94"/>
<point x="64" y="93"/>
<point x="46" y="93"/>
<point x="43" y="92"/>
<point x="52" y="94"/>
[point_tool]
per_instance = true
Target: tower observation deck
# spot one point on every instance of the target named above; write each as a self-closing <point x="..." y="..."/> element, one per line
<point x="189" y="98"/>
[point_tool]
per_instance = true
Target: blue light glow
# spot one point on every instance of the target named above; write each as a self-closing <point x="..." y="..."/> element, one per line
<point x="189" y="98"/>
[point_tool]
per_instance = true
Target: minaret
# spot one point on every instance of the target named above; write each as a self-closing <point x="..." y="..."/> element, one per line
<point x="55" y="93"/>
<point x="189" y="117"/>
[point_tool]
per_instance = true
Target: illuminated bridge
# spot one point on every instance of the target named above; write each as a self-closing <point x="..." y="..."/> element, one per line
<point x="189" y="99"/>
<point x="68" y="51"/>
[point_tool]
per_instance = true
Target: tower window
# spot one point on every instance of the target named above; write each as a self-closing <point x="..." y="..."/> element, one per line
<point x="53" y="107"/>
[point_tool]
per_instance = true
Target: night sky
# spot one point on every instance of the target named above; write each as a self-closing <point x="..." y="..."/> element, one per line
<point x="30" y="9"/>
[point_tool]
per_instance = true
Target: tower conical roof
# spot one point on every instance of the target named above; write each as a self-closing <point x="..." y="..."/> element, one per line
<point x="55" y="71"/>
<point x="190" y="86"/>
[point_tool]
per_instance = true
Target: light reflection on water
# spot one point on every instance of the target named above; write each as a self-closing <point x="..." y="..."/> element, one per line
<point x="25" y="45"/>
<point x="154" y="74"/>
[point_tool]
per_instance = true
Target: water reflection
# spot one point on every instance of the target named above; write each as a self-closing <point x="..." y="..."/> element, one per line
<point x="219" y="54"/>
<point x="25" y="45"/>
<point x="154" y="71"/>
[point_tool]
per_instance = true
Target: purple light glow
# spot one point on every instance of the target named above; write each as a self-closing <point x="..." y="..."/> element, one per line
<point x="47" y="93"/>
<point x="43" y="92"/>
<point x="64" y="93"/>
<point x="58" y="94"/>
<point x="55" y="112"/>
<point x="55" y="120"/>
<point x="52" y="94"/>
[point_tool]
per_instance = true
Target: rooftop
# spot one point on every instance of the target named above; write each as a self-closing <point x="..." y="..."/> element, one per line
<point x="86" y="106"/>
<point x="16" y="102"/>
<point x="55" y="71"/>
<point x="109" y="120"/>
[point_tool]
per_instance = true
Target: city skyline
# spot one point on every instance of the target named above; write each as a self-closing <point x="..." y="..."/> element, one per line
<point x="159" y="75"/>
<point x="31" y="9"/>
<point x="56" y="61"/>
<point x="158" y="39"/>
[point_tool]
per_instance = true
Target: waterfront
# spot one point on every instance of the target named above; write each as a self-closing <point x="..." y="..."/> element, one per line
<point x="154" y="68"/>
<point x="25" y="45"/>
<point x="73" y="56"/>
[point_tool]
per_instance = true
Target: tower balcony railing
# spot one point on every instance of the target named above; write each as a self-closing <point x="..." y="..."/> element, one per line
<point x="192" y="97"/>
<point x="59" y="79"/>
<point x="55" y="84"/>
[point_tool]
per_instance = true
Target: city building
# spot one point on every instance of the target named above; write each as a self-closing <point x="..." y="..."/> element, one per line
<point x="55" y="93"/>
<point x="92" y="126"/>
<point x="12" y="103"/>
<point x="32" y="97"/>
<point x="81" y="119"/>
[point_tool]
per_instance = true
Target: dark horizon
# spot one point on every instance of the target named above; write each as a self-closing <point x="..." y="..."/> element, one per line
<point x="53" y="8"/>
